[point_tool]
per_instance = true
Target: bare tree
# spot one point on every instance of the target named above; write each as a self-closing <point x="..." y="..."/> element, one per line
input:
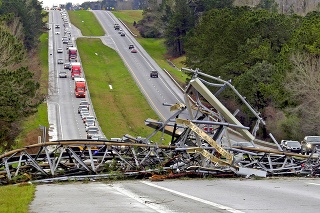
<point x="304" y="84"/>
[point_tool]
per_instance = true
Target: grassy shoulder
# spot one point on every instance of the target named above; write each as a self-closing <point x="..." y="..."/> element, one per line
<point x="122" y="109"/>
<point x="30" y="126"/>
<point x="17" y="198"/>
<point x="86" y="22"/>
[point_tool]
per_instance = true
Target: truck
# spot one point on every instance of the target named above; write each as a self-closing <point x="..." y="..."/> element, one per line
<point x="80" y="87"/>
<point x="73" y="53"/>
<point x="75" y="70"/>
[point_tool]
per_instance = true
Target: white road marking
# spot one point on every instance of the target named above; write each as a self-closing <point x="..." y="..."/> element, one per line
<point x="318" y="184"/>
<point x="144" y="201"/>
<point x="216" y="205"/>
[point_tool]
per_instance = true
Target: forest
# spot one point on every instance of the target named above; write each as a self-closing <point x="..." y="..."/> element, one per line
<point x="272" y="58"/>
<point x="20" y="28"/>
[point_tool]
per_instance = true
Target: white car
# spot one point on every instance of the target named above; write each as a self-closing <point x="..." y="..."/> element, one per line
<point x="59" y="50"/>
<point x="57" y="33"/>
<point x="89" y="123"/>
<point x="60" y="61"/>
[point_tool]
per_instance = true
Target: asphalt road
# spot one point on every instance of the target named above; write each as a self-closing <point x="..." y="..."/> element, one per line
<point x="197" y="195"/>
<point x="65" y="123"/>
<point x="156" y="90"/>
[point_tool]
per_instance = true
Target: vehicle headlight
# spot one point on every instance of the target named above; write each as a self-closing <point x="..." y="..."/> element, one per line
<point x="309" y="145"/>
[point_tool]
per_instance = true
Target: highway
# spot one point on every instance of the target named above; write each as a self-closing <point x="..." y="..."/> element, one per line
<point x="156" y="90"/>
<point x="64" y="120"/>
<point x="285" y="195"/>
<point x="65" y="123"/>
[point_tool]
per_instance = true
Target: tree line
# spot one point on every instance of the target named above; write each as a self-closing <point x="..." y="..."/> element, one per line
<point x="20" y="27"/>
<point x="271" y="58"/>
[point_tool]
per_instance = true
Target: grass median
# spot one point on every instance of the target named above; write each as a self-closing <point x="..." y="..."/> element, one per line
<point x="122" y="109"/>
<point x="16" y="198"/>
<point x="86" y="22"/>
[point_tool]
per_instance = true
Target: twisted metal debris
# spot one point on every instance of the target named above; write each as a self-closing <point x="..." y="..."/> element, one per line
<point x="200" y="145"/>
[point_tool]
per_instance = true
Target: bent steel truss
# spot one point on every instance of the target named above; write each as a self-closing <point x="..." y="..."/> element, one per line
<point x="201" y="144"/>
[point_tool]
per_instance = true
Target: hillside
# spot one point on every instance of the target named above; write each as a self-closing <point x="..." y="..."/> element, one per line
<point x="301" y="7"/>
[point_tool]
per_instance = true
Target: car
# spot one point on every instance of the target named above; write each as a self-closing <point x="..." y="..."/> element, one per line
<point x="244" y="144"/>
<point x="57" y="26"/>
<point x="290" y="146"/>
<point x="67" y="65"/>
<point x="309" y="143"/>
<point x="116" y="26"/>
<point x="84" y="114"/>
<point x="131" y="46"/>
<point x="154" y="74"/>
<point x="82" y="107"/>
<point x="91" y="133"/>
<point x="57" y="33"/>
<point x="89" y="123"/>
<point x="89" y="117"/>
<point x="63" y="74"/>
<point x="71" y="60"/>
<point x="60" y="61"/>
<point x="85" y="117"/>
<point x="65" y="41"/>
<point x="134" y="50"/>
<point x="92" y="128"/>
<point x="69" y="45"/>
<point x="85" y="103"/>
<point x="120" y="31"/>
<point x="122" y="34"/>
<point x="59" y="50"/>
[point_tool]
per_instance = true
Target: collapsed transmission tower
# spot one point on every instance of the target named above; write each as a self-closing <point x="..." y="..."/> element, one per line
<point x="201" y="144"/>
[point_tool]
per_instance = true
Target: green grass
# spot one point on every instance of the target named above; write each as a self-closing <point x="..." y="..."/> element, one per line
<point x="44" y="63"/>
<point x="17" y="198"/>
<point x="123" y="109"/>
<point x="86" y="22"/>
<point x="129" y="17"/>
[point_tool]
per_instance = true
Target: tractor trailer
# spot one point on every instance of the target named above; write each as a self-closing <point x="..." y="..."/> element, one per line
<point x="75" y="70"/>
<point x="73" y="54"/>
<point x="80" y="87"/>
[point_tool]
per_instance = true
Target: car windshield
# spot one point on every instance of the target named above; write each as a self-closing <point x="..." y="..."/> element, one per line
<point x="293" y="143"/>
<point x="84" y="103"/>
<point x="244" y="144"/>
<point x="313" y="139"/>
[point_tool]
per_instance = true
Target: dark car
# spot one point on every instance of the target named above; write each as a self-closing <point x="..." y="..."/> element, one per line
<point x="131" y="46"/>
<point x="309" y="143"/>
<point x="67" y="65"/>
<point x="290" y="146"/>
<point x="154" y="74"/>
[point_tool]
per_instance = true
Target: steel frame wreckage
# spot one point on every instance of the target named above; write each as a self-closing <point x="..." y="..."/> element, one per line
<point x="200" y="146"/>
